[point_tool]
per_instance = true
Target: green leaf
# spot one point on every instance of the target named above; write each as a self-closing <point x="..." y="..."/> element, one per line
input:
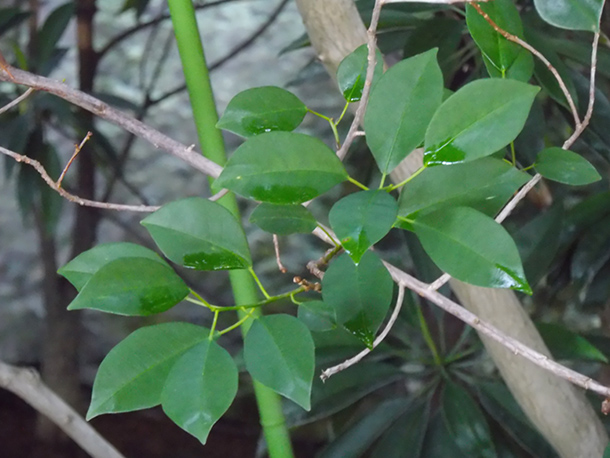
<point x="485" y="184"/>
<point x="283" y="219"/>
<point x="566" y="167"/>
<point x="354" y="442"/>
<point x="200" y="388"/>
<point x="262" y="109"/>
<point x="592" y="251"/>
<point x="607" y="452"/>
<point x="565" y="344"/>
<point x="131" y="286"/>
<point x="478" y="120"/>
<point x="466" y="423"/>
<point x="52" y="30"/>
<point x="351" y="73"/>
<point x="571" y="14"/>
<point x="500" y="52"/>
<point x="545" y="78"/>
<point x="80" y="270"/>
<point x="362" y="219"/>
<point x="343" y="390"/>
<point x="132" y="375"/>
<point x="199" y="234"/>
<point x="438" y="442"/>
<point x="538" y="241"/>
<point x="442" y="32"/>
<point x="317" y="316"/>
<point x="279" y="353"/>
<point x="472" y="247"/>
<point x="282" y="168"/>
<point x="404" y="439"/>
<point x="360" y="294"/>
<point x="500" y="404"/>
<point x="521" y="69"/>
<point x="400" y="107"/>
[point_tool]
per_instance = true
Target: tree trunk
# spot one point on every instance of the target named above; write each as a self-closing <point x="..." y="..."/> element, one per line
<point x="60" y="364"/>
<point x="558" y="409"/>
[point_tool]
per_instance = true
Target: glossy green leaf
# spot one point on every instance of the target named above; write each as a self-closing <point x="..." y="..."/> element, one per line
<point x="352" y="72"/>
<point x="282" y="168"/>
<point x="500" y="404"/>
<point x="362" y="219"/>
<point x="131" y="286"/>
<point x="279" y="353"/>
<point x="354" y="442"/>
<point x="566" y="167"/>
<point x="522" y="68"/>
<point x="607" y="452"/>
<point x="52" y="30"/>
<point x="478" y="120"/>
<point x="565" y="344"/>
<point x="132" y="375"/>
<point x="472" y="247"/>
<point x="262" y="109"/>
<point x="80" y="270"/>
<point x="283" y="219"/>
<point x="200" y="388"/>
<point x="485" y="184"/>
<point x="360" y="294"/>
<point x="400" y="108"/>
<point x="571" y="14"/>
<point x="404" y="439"/>
<point x="199" y="234"/>
<point x="500" y="52"/>
<point x="317" y="315"/>
<point x="466" y="423"/>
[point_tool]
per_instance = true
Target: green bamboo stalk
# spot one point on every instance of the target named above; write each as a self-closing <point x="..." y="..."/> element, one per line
<point x="212" y="145"/>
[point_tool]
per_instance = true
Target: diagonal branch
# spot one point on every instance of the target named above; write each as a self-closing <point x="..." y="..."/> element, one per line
<point x="26" y="384"/>
<point x="105" y="111"/>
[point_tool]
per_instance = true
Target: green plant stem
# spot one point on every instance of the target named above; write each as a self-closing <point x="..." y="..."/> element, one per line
<point x="513" y="154"/>
<point x="212" y="145"/>
<point x="357" y="183"/>
<point x="267" y="301"/>
<point x="214" y="323"/>
<point x="258" y="283"/>
<point x="337" y="244"/>
<point x="402" y="183"/>
<point x="332" y="123"/>
<point x="342" y="114"/>
<point x="428" y="338"/>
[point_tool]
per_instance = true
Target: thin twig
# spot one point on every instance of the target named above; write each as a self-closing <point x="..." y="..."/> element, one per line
<point x="18" y="100"/>
<point x="539" y="55"/>
<point x="276" y="245"/>
<point x="26" y="384"/>
<point x="327" y="373"/>
<point x="71" y="197"/>
<point x="494" y="333"/>
<point x="105" y="111"/>
<point x="77" y="149"/>
<point x="579" y="129"/>
<point x="370" y="71"/>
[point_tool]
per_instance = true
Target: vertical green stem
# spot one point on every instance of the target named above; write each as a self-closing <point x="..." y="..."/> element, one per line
<point x="212" y="145"/>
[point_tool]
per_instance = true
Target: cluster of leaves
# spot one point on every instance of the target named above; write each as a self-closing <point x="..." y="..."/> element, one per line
<point x="447" y="208"/>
